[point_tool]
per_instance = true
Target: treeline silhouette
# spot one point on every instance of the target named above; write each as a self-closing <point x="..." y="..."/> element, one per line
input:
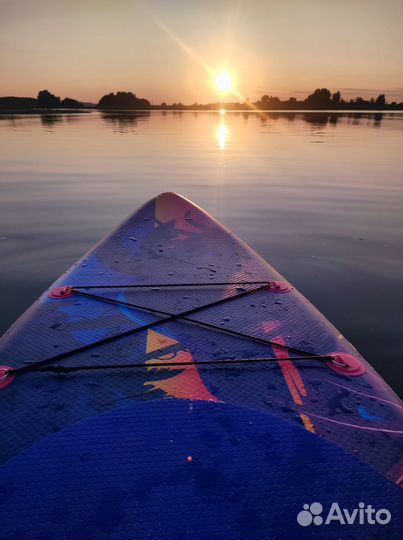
<point x="44" y="100"/>
<point x="123" y="100"/>
<point x="323" y="99"/>
<point x="320" y="99"/>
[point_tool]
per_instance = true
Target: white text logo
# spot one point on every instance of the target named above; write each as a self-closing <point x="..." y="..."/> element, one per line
<point x="364" y="514"/>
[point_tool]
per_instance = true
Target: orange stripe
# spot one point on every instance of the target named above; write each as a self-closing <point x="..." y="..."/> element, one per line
<point x="307" y="422"/>
<point x="294" y="381"/>
<point x="286" y="368"/>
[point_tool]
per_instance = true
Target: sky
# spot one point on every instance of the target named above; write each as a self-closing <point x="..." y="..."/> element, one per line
<point x="169" y="50"/>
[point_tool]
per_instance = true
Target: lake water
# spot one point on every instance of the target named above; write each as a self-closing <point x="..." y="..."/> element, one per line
<point x="318" y="195"/>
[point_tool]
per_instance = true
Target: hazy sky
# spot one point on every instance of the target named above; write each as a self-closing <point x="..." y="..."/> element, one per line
<point x="157" y="48"/>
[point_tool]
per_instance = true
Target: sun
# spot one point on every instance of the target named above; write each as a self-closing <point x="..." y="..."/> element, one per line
<point x="223" y="82"/>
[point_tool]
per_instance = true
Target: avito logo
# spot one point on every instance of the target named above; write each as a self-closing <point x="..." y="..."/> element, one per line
<point x="364" y="514"/>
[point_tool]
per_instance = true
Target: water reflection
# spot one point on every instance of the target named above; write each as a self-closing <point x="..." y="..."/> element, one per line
<point x="333" y="209"/>
<point x="222" y="132"/>
<point x="125" y="121"/>
<point x="49" y="121"/>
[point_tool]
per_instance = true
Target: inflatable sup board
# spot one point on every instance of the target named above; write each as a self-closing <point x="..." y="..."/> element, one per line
<point x="171" y="385"/>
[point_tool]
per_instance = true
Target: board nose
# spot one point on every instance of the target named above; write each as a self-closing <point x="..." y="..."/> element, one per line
<point x="171" y="206"/>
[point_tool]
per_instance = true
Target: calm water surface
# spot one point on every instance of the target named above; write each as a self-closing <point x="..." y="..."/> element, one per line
<point x="318" y="195"/>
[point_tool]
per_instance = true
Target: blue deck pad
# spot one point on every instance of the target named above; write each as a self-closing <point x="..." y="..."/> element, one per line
<point x="176" y="469"/>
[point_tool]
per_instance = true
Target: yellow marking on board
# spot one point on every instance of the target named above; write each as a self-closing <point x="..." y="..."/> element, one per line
<point x="156" y="341"/>
<point x="291" y="385"/>
<point x="186" y="383"/>
<point x="294" y="381"/>
<point x="307" y="422"/>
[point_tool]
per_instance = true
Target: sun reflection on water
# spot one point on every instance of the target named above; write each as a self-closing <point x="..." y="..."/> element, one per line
<point x="222" y="135"/>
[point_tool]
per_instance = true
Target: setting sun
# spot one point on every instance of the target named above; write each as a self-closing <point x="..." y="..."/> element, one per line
<point x="224" y="82"/>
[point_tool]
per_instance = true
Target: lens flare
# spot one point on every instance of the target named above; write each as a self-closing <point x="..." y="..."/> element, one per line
<point x="223" y="81"/>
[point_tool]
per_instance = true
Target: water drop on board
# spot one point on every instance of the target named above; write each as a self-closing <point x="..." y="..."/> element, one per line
<point x="132" y="238"/>
<point x="55" y="325"/>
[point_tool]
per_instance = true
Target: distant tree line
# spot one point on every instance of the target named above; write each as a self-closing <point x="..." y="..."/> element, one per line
<point x="123" y="100"/>
<point x="44" y="100"/>
<point x="320" y="99"/>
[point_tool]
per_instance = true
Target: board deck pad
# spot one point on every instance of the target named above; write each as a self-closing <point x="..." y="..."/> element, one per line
<point x="186" y="443"/>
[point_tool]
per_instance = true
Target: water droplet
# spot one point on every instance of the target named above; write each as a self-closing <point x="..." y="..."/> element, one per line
<point x="55" y="325"/>
<point x="132" y="238"/>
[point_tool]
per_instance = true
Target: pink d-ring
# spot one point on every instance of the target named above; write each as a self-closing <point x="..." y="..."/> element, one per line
<point x="5" y="378"/>
<point x="279" y="286"/>
<point x="346" y="364"/>
<point x="61" y="292"/>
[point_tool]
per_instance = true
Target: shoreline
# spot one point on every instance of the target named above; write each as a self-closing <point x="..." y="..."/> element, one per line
<point x="190" y="109"/>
